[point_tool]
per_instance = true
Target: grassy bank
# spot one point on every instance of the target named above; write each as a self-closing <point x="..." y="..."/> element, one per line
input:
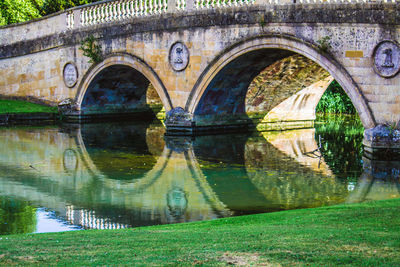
<point x="359" y="235"/>
<point x="18" y="106"/>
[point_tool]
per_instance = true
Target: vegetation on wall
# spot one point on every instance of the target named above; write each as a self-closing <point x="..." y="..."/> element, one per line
<point x="91" y="50"/>
<point x="335" y="101"/>
<point x="15" y="11"/>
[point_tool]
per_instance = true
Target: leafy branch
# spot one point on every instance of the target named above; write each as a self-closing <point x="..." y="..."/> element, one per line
<point x="324" y="44"/>
<point x="91" y="50"/>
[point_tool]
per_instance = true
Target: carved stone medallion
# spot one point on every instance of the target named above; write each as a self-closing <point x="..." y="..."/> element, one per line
<point x="70" y="74"/>
<point x="70" y="160"/>
<point x="387" y="59"/>
<point x="179" y="56"/>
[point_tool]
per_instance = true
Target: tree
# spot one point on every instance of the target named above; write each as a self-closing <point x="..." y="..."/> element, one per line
<point x="15" y="11"/>
<point x="52" y="6"/>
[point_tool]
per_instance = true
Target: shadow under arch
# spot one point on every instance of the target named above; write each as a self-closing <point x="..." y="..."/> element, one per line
<point x="123" y="62"/>
<point x="287" y="45"/>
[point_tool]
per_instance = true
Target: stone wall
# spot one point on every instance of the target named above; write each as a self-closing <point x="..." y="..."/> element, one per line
<point x="281" y="80"/>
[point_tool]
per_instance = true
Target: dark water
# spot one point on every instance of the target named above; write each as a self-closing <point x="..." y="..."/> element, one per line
<point x="109" y="176"/>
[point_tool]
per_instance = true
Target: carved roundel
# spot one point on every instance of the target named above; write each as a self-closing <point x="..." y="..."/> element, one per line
<point x="70" y="74"/>
<point x="179" y="56"/>
<point x="387" y="59"/>
<point x="70" y="160"/>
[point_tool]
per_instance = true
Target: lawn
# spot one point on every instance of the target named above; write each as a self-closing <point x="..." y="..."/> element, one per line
<point x="365" y="234"/>
<point x="18" y="106"/>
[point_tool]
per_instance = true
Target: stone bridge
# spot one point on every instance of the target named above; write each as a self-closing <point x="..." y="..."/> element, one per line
<point x="200" y="57"/>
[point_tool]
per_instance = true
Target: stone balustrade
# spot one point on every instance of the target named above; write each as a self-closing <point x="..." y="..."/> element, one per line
<point x="111" y="11"/>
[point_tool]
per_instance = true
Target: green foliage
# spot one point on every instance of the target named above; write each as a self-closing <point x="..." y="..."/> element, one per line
<point x="52" y="6"/>
<point x="261" y="21"/>
<point x="324" y="44"/>
<point x="17" y="106"/>
<point x="342" y="147"/>
<point x="16" y="217"/>
<point x="336" y="101"/>
<point x="15" y="11"/>
<point x="91" y="50"/>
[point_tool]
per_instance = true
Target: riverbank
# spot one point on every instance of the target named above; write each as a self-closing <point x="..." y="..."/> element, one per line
<point x="8" y="106"/>
<point x="365" y="234"/>
<point x="23" y="112"/>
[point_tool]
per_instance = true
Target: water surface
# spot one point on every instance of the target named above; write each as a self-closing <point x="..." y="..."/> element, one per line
<point x="119" y="175"/>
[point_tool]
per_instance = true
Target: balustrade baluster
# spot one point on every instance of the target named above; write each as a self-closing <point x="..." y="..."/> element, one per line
<point x="114" y="12"/>
<point x="156" y="9"/>
<point x="94" y="9"/>
<point x="93" y="15"/>
<point x="146" y="8"/>
<point x="82" y="17"/>
<point x="110" y="11"/>
<point x="159" y="7"/>
<point x="90" y="16"/>
<point x="150" y="7"/>
<point x="165" y="5"/>
<point x="137" y="10"/>
<point x="101" y="10"/>
<point x="129" y="8"/>
<point x="110" y="8"/>
<point x="68" y="21"/>
<point x="118" y="11"/>
<point x="141" y="7"/>
<point x="98" y="14"/>
<point x="106" y="12"/>
<point x="124" y="11"/>
<point x="87" y="16"/>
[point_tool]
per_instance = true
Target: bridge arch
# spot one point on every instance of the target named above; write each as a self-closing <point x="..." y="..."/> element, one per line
<point x="125" y="60"/>
<point x="281" y="43"/>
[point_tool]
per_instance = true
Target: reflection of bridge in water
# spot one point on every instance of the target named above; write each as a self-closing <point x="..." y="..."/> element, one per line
<point x="97" y="177"/>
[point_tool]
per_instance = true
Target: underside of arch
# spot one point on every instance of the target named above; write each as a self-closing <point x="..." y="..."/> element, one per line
<point x="221" y="89"/>
<point x="121" y="86"/>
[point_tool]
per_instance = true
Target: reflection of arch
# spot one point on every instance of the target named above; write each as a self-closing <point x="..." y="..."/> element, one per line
<point x="185" y="177"/>
<point x="125" y="60"/>
<point x="285" y="43"/>
<point x="136" y="185"/>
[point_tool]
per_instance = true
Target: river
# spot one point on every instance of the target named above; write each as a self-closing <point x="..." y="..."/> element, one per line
<point x="121" y="175"/>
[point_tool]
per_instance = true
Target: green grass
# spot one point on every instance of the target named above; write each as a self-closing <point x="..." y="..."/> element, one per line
<point x="365" y="234"/>
<point x="18" y="106"/>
